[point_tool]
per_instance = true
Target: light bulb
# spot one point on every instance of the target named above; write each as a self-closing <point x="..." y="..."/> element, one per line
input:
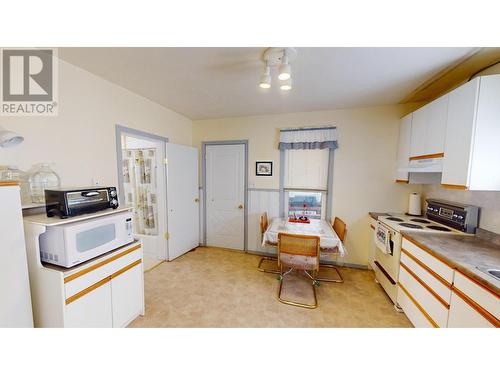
<point x="285" y="72"/>
<point x="287" y="85"/>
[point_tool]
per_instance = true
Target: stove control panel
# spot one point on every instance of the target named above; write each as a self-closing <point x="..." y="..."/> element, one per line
<point x="461" y="217"/>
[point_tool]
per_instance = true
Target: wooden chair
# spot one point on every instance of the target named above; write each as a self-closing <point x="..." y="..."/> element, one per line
<point x="264" y="224"/>
<point x="341" y="229"/>
<point x="298" y="252"/>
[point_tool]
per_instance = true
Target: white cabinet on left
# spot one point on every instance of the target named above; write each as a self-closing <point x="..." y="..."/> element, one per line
<point x="107" y="291"/>
<point x="15" y="300"/>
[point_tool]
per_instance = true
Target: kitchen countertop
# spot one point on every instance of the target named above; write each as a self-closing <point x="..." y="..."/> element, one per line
<point x="465" y="253"/>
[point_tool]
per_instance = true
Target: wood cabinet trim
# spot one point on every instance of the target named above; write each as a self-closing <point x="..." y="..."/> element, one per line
<point x="125" y="269"/>
<point x="424" y="248"/>
<point x="69" y="278"/>
<point x="427" y="156"/>
<point x="428" y="251"/>
<point x="457" y="187"/>
<point x="107" y="279"/>
<point x="427" y="287"/>
<point x="479" y="284"/>
<point x="371" y="226"/>
<point x="86" y="291"/>
<point x="478" y="308"/>
<point x="422" y="310"/>
<point x="9" y="183"/>
<point x="402" y="182"/>
<point x="427" y="268"/>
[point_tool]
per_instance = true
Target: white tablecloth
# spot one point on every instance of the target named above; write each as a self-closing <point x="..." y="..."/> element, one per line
<point x="327" y="236"/>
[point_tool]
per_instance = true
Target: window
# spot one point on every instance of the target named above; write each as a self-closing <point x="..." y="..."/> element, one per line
<point x="306" y="182"/>
<point x="305" y="203"/>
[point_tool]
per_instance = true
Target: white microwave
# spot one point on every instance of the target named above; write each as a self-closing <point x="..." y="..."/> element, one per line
<point x="70" y="244"/>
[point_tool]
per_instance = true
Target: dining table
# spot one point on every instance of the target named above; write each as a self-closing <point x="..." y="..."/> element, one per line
<point x="329" y="240"/>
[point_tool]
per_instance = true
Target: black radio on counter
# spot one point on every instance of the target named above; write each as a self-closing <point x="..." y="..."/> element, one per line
<point x="72" y="202"/>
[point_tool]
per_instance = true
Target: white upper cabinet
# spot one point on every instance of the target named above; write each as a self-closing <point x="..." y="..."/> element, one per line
<point x="419" y="131"/>
<point x="405" y="126"/>
<point x="472" y="136"/>
<point x="429" y="129"/>
<point x="436" y="127"/>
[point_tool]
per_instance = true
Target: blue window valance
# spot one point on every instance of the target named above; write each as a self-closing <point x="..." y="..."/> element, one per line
<point x="308" y="138"/>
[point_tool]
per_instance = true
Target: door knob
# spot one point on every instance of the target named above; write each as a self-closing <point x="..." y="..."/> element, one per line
<point x="240" y="206"/>
<point x="196" y="200"/>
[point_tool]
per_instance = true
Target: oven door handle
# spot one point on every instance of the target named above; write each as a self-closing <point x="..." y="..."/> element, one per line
<point x="386" y="274"/>
<point x="90" y="193"/>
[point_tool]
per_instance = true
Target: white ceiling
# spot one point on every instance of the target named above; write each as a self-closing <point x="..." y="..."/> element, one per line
<point x="205" y="83"/>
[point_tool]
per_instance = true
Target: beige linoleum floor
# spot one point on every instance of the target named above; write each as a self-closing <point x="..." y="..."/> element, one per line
<point x="211" y="287"/>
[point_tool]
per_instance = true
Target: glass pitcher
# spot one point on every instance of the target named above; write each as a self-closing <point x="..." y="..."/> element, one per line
<point x="43" y="178"/>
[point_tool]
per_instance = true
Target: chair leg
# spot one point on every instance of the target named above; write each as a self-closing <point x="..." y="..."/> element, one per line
<point x="261" y="269"/>
<point x="294" y="303"/>
<point x="339" y="280"/>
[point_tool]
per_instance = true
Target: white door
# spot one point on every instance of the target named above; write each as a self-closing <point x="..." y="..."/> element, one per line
<point x="225" y="194"/>
<point x="182" y="199"/>
<point x="144" y="188"/>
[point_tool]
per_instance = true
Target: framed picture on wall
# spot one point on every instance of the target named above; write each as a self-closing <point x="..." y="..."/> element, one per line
<point x="264" y="168"/>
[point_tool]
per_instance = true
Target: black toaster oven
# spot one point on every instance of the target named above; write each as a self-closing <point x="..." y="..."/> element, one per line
<point x="72" y="202"/>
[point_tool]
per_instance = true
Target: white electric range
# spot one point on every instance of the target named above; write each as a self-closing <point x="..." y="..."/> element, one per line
<point x="441" y="217"/>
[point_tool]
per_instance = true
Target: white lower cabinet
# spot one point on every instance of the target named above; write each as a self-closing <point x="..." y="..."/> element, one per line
<point x="428" y="305"/>
<point x="127" y="296"/>
<point x="107" y="291"/>
<point x="432" y="294"/>
<point x="412" y="310"/>
<point x="113" y="301"/>
<point x="473" y="305"/>
<point x="93" y="310"/>
<point x="462" y="315"/>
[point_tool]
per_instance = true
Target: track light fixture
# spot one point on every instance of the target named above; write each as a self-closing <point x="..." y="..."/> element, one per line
<point x="285" y="69"/>
<point x="279" y="58"/>
<point x="265" y="79"/>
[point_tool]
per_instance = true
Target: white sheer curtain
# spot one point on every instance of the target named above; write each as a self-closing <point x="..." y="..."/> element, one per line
<point x="306" y="169"/>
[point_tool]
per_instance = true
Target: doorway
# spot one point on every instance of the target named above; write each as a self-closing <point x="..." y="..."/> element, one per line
<point x="225" y="177"/>
<point x="142" y="185"/>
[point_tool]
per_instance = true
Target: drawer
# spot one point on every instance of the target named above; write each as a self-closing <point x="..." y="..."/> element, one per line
<point x="412" y="311"/>
<point x="482" y="298"/>
<point x="430" y="306"/>
<point x="93" y="273"/>
<point x="462" y="315"/>
<point x="438" y="268"/>
<point x="440" y="290"/>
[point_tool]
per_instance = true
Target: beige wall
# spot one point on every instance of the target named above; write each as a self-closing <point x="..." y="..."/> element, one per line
<point x="80" y="141"/>
<point x="489" y="201"/>
<point x="364" y="162"/>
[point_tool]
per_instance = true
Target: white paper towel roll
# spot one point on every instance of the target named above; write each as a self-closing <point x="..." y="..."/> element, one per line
<point x="414" y="205"/>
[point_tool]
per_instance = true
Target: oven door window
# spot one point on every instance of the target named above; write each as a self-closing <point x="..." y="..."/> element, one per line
<point x="95" y="237"/>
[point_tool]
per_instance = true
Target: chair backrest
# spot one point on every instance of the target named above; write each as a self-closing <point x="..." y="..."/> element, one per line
<point x="264" y="223"/>
<point x="340" y="228"/>
<point x="298" y="244"/>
